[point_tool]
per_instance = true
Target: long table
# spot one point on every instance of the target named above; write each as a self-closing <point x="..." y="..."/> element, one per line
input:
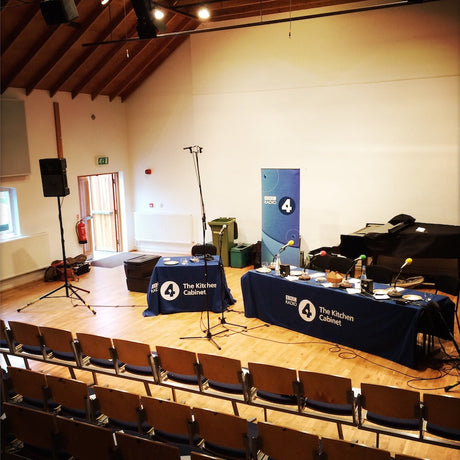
<point x="178" y="284"/>
<point x="382" y="327"/>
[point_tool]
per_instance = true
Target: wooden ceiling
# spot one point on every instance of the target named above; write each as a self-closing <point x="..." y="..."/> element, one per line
<point x="100" y="53"/>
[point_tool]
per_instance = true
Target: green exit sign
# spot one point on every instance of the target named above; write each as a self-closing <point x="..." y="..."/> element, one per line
<point x="102" y="161"/>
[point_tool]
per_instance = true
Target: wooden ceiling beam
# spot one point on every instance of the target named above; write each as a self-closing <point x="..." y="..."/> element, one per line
<point x="129" y="23"/>
<point x="173" y="22"/>
<point x="28" y="56"/>
<point x="146" y="64"/>
<point x="28" y="15"/>
<point x="86" y="55"/>
<point x="64" y="50"/>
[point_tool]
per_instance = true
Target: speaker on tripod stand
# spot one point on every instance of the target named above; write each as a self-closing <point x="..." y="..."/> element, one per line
<point x="54" y="176"/>
<point x="54" y="182"/>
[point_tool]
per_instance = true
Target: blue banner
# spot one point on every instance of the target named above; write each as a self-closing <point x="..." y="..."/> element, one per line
<point x="280" y="214"/>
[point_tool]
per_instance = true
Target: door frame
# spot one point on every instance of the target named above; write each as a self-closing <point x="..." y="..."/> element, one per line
<point x="84" y="192"/>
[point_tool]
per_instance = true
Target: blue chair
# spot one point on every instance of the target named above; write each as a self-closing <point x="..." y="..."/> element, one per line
<point x="276" y="386"/>
<point x="329" y="394"/>
<point x="442" y="416"/>
<point x="389" y="410"/>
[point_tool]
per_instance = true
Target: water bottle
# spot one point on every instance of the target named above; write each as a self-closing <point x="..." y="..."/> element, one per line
<point x="277" y="264"/>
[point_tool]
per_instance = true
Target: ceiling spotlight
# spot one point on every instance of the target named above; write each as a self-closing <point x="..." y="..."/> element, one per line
<point x="203" y="13"/>
<point x="158" y="14"/>
<point x="104" y="2"/>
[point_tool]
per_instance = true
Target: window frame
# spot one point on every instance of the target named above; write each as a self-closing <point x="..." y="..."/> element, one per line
<point x="12" y="220"/>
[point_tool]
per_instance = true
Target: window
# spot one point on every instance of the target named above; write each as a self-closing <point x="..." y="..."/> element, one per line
<point x="9" y="219"/>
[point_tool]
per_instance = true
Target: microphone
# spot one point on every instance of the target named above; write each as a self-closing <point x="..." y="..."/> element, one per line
<point x="352" y="266"/>
<point x="394" y="292"/>
<point x="222" y="229"/>
<point x="407" y="262"/>
<point x="321" y="253"/>
<point x="289" y="243"/>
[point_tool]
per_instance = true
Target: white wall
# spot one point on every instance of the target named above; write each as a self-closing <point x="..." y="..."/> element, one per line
<point x="366" y="105"/>
<point x="83" y="139"/>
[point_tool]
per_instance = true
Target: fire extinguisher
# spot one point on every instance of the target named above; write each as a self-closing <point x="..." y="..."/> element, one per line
<point x="80" y="228"/>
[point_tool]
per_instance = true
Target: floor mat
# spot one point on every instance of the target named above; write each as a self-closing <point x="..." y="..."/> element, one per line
<point x="115" y="260"/>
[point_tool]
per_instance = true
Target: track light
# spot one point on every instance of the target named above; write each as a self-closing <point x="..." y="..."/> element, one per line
<point x="203" y="13"/>
<point x="158" y="13"/>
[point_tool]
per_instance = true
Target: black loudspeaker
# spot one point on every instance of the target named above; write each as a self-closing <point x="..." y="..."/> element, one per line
<point x="54" y="177"/>
<point x="58" y="11"/>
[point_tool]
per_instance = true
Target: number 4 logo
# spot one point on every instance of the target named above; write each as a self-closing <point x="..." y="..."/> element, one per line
<point x="169" y="290"/>
<point x="286" y="205"/>
<point x="307" y="310"/>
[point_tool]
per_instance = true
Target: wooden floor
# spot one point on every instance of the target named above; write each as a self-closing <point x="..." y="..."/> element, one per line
<point x="119" y="314"/>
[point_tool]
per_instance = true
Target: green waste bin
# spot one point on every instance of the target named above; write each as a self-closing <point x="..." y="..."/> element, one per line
<point x="240" y="255"/>
<point x="228" y="236"/>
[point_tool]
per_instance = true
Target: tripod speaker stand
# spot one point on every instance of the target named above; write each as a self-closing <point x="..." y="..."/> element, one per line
<point x="54" y="180"/>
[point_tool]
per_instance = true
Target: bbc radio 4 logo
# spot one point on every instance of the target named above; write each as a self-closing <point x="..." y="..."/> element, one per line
<point x="306" y="308"/>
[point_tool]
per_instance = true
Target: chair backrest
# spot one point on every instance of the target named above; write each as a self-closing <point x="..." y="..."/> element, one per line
<point x="221" y="368"/>
<point x="442" y="414"/>
<point x="31" y="426"/>
<point x="118" y="405"/>
<point x="32" y="385"/>
<point x="335" y="449"/>
<point x="58" y="340"/>
<point x="390" y="401"/>
<point x="72" y="395"/>
<point x="177" y="361"/>
<point x="321" y="262"/>
<point x="448" y="285"/>
<point x="389" y="406"/>
<point x="273" y="379"/>
<point x="285" y="443"/>
<point x="95" y="346"/>
<point x="325" y="388"/>
<point x="380" y="273"/>
<point x="85" y="440"/>
<point x="134" y="353"/>
<point x="131" y="447"/>
<point x="341" y="264"/>
<point x="202" y="249"/>
<point x="27" y="335"/>
<point x="222" y="431"/>
<point x="168" y="417"/>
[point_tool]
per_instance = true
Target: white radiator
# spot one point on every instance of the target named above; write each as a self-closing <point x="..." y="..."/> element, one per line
<point x="166" y="232"/>
<point x="24" y="255"/>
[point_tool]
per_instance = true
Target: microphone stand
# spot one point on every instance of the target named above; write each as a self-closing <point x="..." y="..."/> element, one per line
<point x="393" y="292"/>
<point x="221" y="270"/>
<point x="194" y="150"/>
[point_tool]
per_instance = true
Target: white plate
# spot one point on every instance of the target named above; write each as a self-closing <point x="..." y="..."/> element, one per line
<point x="263" y="270"/>
<point x="296" y="272"/>
<point x="411" y="297"/>
<point x="380" y="291"/>
<point x="171" y="262"/>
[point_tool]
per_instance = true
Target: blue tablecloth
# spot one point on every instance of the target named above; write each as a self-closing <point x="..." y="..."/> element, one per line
<point x="381" y="327"/>
<point x="182" y="288"/>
